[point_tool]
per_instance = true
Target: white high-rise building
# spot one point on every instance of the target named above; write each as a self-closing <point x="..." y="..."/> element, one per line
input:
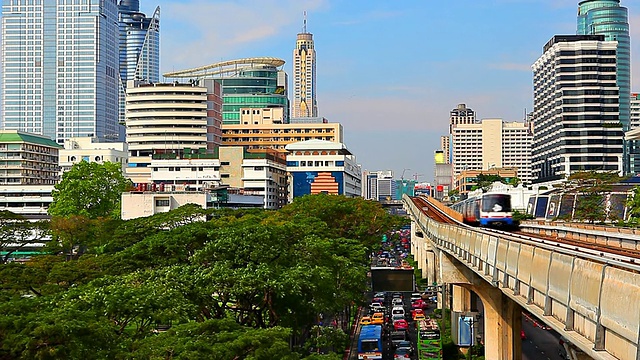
<point x="576" y="108"/>
<point x="60" y="68"/>
<point x="461" y="115"/>
<point x="493" y="143"/>
<point x="304" y="76"/>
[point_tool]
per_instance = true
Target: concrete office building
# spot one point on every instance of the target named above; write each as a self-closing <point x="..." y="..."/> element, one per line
<point x="445" y="146"/>
<point x="320" y="166"/>
<point x="28" y="172"/>
<point x="575" y="118"/>
<point x="379" y="185"/>
<point x="304" y="75"/>
<point x="493" y="143"/>
<point x="91" y="150"/>
<point x="60" y="72"/>
<point x="263" y="134"/>
<point x="166" y="120"/>
<point x="254" y="83"/>
<point x="230" y="176"/>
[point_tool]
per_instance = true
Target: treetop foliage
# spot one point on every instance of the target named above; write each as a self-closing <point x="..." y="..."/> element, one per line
<point x="91" y="190"/>
<point x="244" y="284"/>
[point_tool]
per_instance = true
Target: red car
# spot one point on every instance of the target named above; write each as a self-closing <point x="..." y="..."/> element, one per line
<point x="419" y="304"/>
<point x="400" y="325"/>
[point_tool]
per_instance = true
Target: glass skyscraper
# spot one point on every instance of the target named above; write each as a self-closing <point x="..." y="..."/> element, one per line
<point x="60" y="68"/>
<point x="139" y="43"/>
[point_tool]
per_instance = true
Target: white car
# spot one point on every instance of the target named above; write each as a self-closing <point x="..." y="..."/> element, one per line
<point x="396" y="302"/>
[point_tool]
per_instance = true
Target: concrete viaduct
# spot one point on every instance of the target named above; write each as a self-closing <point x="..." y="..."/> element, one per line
<point x="592" y="303"/>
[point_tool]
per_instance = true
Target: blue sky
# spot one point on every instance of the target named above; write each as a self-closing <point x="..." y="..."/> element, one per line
<point x="389" y="71"/>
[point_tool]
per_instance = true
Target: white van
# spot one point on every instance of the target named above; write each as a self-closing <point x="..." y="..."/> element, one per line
<point x="397" y="310"/>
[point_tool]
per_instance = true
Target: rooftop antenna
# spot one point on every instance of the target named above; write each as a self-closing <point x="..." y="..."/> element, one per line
<point x="304" y="23"/>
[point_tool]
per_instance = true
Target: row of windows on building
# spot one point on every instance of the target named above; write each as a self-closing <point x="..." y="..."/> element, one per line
<point x="315" y="163"/>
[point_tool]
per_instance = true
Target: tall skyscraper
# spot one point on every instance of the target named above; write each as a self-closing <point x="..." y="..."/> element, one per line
<point x="139" y="43"/>
<point x="304" y="75"/>
<point x="608" y="18"/>
<point x="60" y="68"/>
<point x="575" y="117"/>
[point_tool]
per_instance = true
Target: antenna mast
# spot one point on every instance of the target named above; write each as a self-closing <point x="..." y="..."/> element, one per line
<point x="304" y="23"/>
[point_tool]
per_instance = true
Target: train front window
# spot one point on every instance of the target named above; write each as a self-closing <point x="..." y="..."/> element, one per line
<point x="496" y="203"/>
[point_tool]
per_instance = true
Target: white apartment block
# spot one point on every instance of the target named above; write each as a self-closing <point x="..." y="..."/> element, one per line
<point x="89" y="149"/>
<point x="162" y="120"/>
<point x="492" y="143"/>
<point x="635" y="111"/>
<point x="576" y="108"/>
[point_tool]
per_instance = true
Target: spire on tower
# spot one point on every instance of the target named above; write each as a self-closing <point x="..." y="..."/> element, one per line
<point x="304" y="23"/>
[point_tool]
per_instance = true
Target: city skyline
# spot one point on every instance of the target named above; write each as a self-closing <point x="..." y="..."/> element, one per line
<point x="392" y="90"/>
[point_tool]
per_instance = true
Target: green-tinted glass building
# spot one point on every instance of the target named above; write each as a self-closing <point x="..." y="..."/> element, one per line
<point x="253" y="83"/>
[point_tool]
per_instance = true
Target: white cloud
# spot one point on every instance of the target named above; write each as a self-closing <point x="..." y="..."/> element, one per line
<point x="200" y="32"/>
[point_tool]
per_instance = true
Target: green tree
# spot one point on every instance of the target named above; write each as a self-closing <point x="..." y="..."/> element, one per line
<point x="591" y="187"/>
<point x="633" y="204"/>
<point x="216" y="339"/>
<point x="351" y="218"/>
<point x="484" y="182"/>
<point x="16" y="233"/>
<point x="91" y="190"/>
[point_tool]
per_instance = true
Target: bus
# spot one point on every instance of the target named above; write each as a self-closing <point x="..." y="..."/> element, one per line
<point x="429" y="344"/>
<point x="370" y="342"/>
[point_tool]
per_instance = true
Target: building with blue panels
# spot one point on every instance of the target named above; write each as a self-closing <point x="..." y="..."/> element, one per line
<point x="139" y="43"/>
<point x="60" y="71"/>
<point x="321" y="166"/>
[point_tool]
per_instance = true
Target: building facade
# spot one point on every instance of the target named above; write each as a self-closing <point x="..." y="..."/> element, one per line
<point x="445" y="146"/>
<point x="254" y="83"/>
<point x="493" y="143"/>
<point x="461" y="115"/>
<point x="304" y="75"/>
<point x="320" y="166"/>
<point x="28" y="159"/>
<point x="90" y="150"/>
<point x="608" y="18"/>
<point x="60" y="68"/>
<point x="167" y="120"/>
<point x="264" y="135"/>
<point x="228" y="177"/>
<point x="466" y="180"/>
<point x="576" y="111"/>
<point x="28" y="172"/>
<point x="379" y="185"/>
<point x="139" y="43"/>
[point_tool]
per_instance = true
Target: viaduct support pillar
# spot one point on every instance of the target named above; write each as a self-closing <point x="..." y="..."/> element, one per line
<point x="502" y="323"/>
<point x="461" y="299"/>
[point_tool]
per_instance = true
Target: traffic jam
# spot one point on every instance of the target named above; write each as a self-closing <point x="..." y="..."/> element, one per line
<point x="398" y="324"/>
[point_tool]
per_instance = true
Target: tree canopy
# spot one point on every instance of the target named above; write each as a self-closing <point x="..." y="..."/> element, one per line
<point x="91" y="190"/>
<point x="244" y="284"/>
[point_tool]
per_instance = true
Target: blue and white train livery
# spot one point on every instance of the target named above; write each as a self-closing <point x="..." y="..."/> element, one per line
<point x="489" y="209"/>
